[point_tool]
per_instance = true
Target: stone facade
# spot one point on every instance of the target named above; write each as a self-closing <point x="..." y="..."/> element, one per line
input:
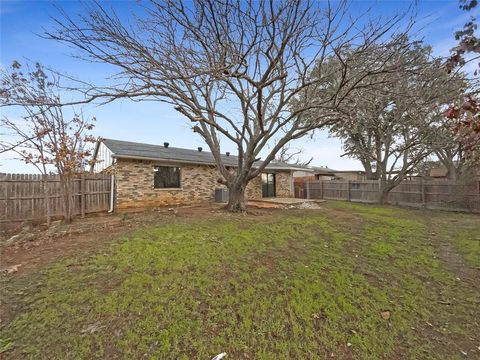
<point x="283" y="184"/>
<point x="134" y="184"/>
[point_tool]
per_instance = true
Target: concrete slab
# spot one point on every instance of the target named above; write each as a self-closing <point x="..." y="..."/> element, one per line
<point x="285" y="201"/>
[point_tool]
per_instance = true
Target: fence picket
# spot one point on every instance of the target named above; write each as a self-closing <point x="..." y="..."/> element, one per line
<point x="31" y="197"/>
<point x="431" y="194"/>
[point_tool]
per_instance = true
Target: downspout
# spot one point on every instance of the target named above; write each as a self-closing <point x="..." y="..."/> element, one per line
<point x="112" y="194"/>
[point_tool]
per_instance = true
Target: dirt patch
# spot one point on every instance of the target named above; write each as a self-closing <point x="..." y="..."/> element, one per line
<point x="448" y="254"/>
<point x="39" y="246"/>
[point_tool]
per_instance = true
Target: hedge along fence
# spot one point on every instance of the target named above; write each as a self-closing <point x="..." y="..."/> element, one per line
<point x="33" y="197"/>
<point x="445" y="195"/>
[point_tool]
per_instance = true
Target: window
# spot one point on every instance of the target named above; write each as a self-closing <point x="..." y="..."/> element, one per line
<point x="268" y="185"/>
<point x="166" y="177"/>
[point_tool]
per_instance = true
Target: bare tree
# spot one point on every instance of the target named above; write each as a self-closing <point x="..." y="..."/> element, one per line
<point x="233" y="68"/>
<point x="39" y="133"/>
<point x="447" y="148"/>
<point x="388" y="125"/>
<point x="290" y="155"/>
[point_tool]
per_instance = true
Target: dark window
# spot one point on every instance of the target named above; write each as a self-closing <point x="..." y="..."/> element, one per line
<point x="166" y="177"/>
<point x="268" y="185"/>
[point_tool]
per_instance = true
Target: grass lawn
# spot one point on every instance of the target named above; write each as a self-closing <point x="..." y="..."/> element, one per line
<point x="348" y="281"/>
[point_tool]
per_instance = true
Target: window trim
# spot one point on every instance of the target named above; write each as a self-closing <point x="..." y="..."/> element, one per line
<point x="180" y="182"/>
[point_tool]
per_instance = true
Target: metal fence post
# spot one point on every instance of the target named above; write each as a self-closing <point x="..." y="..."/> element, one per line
<point x="321" y="189"/>
<point x="307" y="185"/>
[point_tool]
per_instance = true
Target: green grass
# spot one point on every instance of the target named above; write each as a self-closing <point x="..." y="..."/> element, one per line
<point x="469" y="245"/>
<point x="304" y="284"/>
<point x="467" y="242"/>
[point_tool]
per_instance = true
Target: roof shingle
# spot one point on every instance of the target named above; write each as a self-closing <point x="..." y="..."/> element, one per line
<point x="134" y="150"/>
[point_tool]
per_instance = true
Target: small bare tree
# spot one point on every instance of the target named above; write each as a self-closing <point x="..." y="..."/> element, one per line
<point x="290" y="155"/>
<point x="232" y="68"/>
<point x="39" y="133"/>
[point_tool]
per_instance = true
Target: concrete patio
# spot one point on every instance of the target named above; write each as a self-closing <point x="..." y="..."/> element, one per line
<point x="277" y="202"/>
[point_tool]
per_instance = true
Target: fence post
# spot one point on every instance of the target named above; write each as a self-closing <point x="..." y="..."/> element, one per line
<point x="379" y="184"/>
<point x="307" y="186"/>
<point x="348" y="190"/>
<point x="422" y="182"/>
<point x="321" y="189"/>
<point x="46" y="197"/>
<point x="82" y="194"/>
<point x="7" y="200"/>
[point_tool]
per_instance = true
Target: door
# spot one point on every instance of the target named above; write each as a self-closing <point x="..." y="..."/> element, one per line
<point x="268" y="185"/>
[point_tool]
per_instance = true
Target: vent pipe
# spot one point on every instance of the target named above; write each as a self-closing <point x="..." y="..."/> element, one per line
<point x="227" y="153"/>
<point x="165" y="144"/>
<point x="200" y="149"/>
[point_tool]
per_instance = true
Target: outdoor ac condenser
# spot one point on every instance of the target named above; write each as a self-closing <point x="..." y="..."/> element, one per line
<point x="221" y="195"/>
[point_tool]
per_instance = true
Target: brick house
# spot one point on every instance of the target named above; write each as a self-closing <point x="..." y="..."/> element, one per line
<point x="156" y="175"/>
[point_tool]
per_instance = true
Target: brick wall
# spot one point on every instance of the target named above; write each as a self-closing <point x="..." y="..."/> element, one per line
<point x="134" y="181"/>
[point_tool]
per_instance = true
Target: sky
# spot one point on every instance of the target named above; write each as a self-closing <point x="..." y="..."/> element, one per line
<point x="22" y="23"/>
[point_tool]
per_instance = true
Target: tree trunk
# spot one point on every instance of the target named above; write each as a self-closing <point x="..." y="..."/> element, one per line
<point x="383" y="192"/>
<point x="452" y="173"/>
<point x="236" y="197"/>
<point x="66" y="185"/>
<point x="383" y="197"/>
<point x="46" y="197"/>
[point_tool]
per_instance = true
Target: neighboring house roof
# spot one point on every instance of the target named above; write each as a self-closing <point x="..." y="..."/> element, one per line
<point x="350" y="171"/>
<point x="133" y="150"/>
<point x="323" y="170"/>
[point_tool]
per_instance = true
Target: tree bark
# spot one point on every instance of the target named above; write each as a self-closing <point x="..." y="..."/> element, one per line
<point x="385" y="189"/>
<point x="383" y="197"/>
<point x="66" y="185"/>
<point x="236" y="197"/>
<point x="46" y="197"/>
<point x="452" y="172"/>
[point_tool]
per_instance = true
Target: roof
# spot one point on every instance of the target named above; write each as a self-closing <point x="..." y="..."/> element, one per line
<point x="350" y="171"/>
<point x="134" y="150"/>
<point x="322" y="170"/>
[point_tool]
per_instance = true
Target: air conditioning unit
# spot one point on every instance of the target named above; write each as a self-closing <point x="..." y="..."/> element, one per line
<point x="221" y="195"/>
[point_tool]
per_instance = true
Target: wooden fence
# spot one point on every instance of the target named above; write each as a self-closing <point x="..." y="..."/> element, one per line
<point x="24" y="197"/>
<point x="430" y="194"/>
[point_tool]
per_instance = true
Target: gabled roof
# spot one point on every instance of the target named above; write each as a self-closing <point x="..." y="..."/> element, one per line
<point x="133" y="150"/>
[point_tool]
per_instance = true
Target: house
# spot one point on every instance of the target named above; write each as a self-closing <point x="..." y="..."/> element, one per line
<point x="439" y="171"/>
<point x="157" y="175"/>
<point x="355" y="175"/>
<point x="324" y="173"/>
<point x="316" y="173"/>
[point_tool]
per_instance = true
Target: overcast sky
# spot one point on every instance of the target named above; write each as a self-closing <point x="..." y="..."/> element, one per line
<point x="149" y="122"/>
